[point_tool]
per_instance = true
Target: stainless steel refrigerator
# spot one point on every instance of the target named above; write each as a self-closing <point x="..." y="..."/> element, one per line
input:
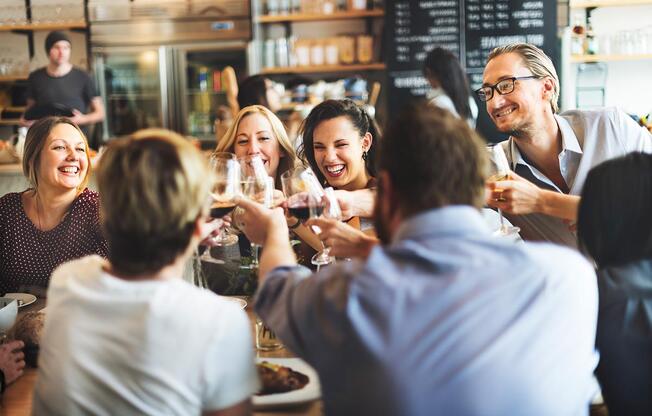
<point x="162" y="65"/>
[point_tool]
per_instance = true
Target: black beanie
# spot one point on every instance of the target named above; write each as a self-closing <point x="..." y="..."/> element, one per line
<point x="53" y="38"/>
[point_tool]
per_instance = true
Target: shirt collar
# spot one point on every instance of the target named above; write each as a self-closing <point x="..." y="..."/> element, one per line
<point x="455" y="219"/>
<point x="568" y="138"/>
<point x="568" y="142"/>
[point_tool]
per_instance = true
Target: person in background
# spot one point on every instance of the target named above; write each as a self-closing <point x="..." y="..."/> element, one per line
<point x="615" y="228"/>
<point x="63" y="84"/>
<point x="258" y="90"/>
<point x="443" y="315"/>
<point x="57" y="218"/>
<point x="550" y="153"/>
<point x="170" y="347"/>
<point x="339" y="145"/>
<point x="12" y="363"/>
<point x="450" y="87"/>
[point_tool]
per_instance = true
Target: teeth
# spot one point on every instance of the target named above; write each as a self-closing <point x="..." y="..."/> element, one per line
<point x="335" y="169"/>
<point x="70" y="169"/>
<point x="505" y="112"/>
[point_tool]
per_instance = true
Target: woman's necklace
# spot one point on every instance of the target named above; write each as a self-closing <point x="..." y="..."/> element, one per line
<point x="38" y="214"/>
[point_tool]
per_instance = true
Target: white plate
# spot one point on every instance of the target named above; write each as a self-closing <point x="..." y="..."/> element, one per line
<point x="238" y="301"/>
<point x="310" y="392"/>
<point x="23" y="299"/>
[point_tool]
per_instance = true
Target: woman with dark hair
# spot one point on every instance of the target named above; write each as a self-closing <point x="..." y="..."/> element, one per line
<point x="338" y="144"/>
<point x="258" y="90"/>
<point x="57" y="218"/>
<point x="450" y="88"/>
<point x="615" y="228"/>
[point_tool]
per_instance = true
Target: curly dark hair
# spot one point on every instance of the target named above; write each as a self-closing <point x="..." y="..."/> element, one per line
<point x="330" y="109"/>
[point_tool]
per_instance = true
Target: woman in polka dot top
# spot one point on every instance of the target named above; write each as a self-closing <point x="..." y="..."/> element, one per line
<point x="57" y="219"/>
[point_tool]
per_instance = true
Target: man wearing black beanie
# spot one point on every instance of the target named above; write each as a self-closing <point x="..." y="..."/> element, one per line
<point x="62" y="89"/>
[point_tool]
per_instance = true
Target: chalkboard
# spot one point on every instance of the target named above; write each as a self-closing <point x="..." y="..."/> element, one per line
<point x="468" y="28"/>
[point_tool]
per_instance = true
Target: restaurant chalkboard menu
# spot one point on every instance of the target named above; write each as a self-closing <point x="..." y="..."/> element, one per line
<point x="468" y="28"/>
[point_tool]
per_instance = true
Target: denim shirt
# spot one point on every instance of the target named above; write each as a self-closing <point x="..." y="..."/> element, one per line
<point x="446" y="319"/>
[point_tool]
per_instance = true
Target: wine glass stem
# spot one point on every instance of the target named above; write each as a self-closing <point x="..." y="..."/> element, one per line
<point x="502" y="219"/>
<point x="254" y="255"/>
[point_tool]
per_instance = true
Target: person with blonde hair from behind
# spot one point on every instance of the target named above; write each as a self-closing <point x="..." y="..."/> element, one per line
<point x="550" y="154"/>
<point x="128" y="336"/>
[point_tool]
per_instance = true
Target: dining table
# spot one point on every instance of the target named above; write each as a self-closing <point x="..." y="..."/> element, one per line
<point x="17" y="398"/>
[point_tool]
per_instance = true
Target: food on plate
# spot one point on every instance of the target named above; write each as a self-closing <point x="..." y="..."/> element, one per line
<point x="279" y="379"/>
<point x="28" y="328"/>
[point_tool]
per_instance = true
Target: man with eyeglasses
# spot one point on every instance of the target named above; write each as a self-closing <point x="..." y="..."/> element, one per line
<point x="550" y="154"/>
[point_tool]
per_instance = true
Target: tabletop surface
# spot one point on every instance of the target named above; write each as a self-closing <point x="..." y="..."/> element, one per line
<point x="17" y="398"/>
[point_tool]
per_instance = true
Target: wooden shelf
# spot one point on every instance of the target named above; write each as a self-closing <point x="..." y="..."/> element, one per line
<point x="585" y="4"/>
<point x="12" y="78"/>
<point x="9" y="122"/>
<point x="45" y="26"/>
<point x="324" y="68"/>
<point x="609" y="58"/>
<point x="311" y="17"/>
<point x="16" y="109"/>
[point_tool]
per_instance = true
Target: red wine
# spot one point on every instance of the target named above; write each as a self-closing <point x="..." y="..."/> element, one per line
<point x="302" y="212"/>
<point x="220" y="209"/>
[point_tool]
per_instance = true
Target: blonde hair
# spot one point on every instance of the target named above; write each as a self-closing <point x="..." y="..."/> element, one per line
<point x="536" y="61"/>
<point x="227" y="142"/>
<point x="35" y="140"/>
<point x="153" y="185"/>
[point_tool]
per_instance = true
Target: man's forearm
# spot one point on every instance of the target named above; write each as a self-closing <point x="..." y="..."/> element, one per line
<point x="277" y="251"/>
<point x="559" y="205"/>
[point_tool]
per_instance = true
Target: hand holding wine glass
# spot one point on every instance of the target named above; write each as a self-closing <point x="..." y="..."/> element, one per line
<point x="261" y="190"/>
<point x="500" y="171"/>
<point x="332" y="210"/>
<point x="225" y="191"/>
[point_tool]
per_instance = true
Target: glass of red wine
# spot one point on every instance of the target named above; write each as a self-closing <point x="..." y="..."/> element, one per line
<point x="226" y="188"/>
<point x="331" y="210"/>
<point x="303" y="192"/>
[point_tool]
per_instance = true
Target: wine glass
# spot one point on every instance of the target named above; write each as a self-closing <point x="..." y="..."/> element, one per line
<point x="303" y="192"/>
<point x="226" y="189"/>
<point x="331" y="210"/>
<point x="499" y="169"/>
<point x="260" y="190"/>
<point x="8" y="312"/>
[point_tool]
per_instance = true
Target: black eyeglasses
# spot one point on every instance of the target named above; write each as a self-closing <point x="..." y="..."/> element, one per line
<point x="504" y="86"/>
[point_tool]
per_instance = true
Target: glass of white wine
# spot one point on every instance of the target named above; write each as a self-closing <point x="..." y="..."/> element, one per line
<point x="499" y="171"/>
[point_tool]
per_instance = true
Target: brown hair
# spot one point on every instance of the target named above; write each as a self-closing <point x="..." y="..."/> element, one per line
<point x="153" y="186"/>
<point x="537" y="62"/>
<point x="35" y="140"/>
<point x="440" y="162"/>
<point x="227" y="142"/>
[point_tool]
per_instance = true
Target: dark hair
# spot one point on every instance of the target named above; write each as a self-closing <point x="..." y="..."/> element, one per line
<point x="440" y="162"/>
<point x="614" y="225"/>
<point x="330" y="109"/>
<point x="253" y="91"/>
<point x="442" y="65"/>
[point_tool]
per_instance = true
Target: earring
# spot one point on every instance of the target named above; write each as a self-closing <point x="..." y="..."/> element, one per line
<point x="364" y="155"/>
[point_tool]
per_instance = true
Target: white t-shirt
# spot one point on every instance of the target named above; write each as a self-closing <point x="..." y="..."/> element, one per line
<point x="155" y="347"/>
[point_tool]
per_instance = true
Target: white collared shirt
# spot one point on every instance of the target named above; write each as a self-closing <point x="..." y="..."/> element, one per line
<point x="588" y="139"/>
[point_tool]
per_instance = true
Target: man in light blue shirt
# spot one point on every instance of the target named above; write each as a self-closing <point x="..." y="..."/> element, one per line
<point x="550" y="153"/>
<point x="442" y="318"/>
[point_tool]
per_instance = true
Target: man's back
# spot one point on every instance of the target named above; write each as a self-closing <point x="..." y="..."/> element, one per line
<point x="155" y="347"/>
<point x="445" y="320"/>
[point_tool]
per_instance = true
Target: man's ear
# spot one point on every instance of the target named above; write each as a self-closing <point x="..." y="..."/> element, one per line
<point x="548" y="88"/>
